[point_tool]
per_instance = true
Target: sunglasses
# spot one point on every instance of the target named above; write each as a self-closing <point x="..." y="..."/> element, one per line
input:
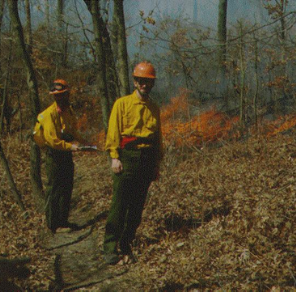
<point x="58" y="87"/>
<point x="142" y="81"/>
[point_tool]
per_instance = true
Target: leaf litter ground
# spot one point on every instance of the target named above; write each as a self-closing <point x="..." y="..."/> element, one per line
<point x="218" y="219"/>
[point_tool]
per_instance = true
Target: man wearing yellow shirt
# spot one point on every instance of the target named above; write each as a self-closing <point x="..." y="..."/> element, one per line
<point x="135" y="146"/>
<point x="59" y="127"/>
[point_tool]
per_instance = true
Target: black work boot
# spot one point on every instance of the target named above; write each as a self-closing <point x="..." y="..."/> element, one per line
<point x="72" y="226"/>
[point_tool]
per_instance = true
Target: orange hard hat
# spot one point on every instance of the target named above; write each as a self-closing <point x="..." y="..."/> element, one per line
<point x="59" y="86"/>
<point x="144" y="70"/>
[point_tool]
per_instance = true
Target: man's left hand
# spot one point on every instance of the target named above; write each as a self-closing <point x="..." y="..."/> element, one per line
<point x="116" y="165"/>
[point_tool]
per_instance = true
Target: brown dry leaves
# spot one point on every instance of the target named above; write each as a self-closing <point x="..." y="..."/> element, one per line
<point x="225" y="219"/>
<point x="219" y="219"/>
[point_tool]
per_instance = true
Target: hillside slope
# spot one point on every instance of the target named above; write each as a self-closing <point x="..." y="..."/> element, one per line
<point x="218" y="219"/>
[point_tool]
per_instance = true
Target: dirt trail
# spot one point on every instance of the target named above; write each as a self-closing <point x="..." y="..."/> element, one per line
<point x="78" y="259"/>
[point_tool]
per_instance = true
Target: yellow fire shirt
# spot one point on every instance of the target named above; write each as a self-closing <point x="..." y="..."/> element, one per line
<point x="54" y="124"/>
<point x="134" y="117"/>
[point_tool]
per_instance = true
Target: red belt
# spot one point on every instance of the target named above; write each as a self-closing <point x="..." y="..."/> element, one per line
<point x="126" y="140"/>
<point x="131" y="142"/>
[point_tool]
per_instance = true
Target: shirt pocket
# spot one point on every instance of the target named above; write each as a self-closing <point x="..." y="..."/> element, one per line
<point x="127" y="121"/>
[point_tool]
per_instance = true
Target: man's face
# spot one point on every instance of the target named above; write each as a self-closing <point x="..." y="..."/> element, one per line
<point x="144" y="85"/>
<point x="62" y="99"/>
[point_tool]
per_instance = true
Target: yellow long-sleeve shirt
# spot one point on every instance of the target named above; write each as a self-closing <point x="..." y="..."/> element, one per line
<point x="134" y="117"/>
<point x="55" y="124"/>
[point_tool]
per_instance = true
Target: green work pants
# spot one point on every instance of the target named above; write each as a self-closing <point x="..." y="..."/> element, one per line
<point x="130" y="189"/>
<point x="60" y="174"/>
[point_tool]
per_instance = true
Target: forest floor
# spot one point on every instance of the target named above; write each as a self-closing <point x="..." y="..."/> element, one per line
<point x="219" y="218"/>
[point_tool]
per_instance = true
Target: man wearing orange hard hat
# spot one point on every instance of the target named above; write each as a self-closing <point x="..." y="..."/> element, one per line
<point x="58" y="125"/>
<point x="134" y="144"/>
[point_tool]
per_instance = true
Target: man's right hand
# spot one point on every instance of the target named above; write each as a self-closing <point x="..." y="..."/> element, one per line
<point x="74" y="147"/>
<point x="116" y="165"/>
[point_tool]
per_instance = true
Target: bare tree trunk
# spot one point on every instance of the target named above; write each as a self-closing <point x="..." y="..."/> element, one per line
<point x="111" y="72"/>
<point x="12" y="185"/>
<point x="282" y="6"/>
<point x="242" y="79"/>
<point x="60" y="23"/>
<point x="35" y="157"/>
<point x="255" y="100"/>
<point x="2" y="92"/>
<point x="94" y="8"/>
<point x="5" y="112"/>
<point x="222" y="35"/>
<point x="62" y="31"/>
<point x="47" y="19"/>
<point x="2" y="4"/>
<point x="121" y="45"/>
<point x="29" y="38"/>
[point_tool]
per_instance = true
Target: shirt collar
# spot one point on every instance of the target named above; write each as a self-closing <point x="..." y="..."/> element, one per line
<point x="59" y="109"/>
<point x="137" y="100"/>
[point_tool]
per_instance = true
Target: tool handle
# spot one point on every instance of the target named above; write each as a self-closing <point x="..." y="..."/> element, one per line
<point x="87" y="148"/>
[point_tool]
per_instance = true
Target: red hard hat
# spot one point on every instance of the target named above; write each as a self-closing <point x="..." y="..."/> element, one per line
<point x="144" y="70"/>
<point x="59" y="86"/>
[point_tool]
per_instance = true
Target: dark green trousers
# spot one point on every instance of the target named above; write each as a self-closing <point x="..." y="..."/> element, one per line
<point x="60" y="174"/>
<point x="129" y="194"/>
